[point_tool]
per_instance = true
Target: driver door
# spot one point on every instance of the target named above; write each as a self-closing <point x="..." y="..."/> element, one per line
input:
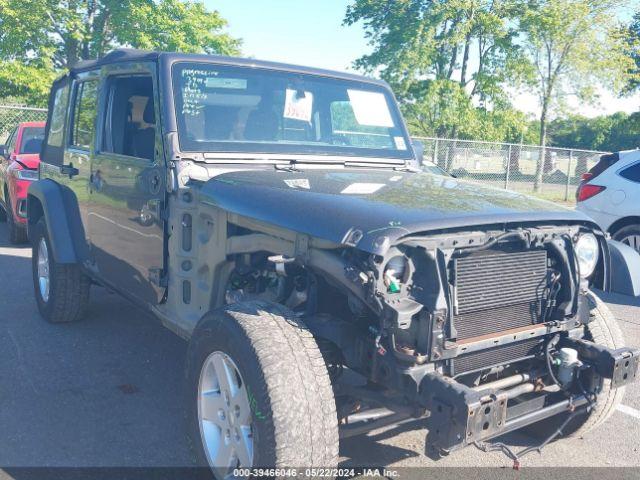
<point x="127" y="186"/>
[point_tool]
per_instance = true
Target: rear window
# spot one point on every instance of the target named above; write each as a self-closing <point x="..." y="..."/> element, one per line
<point x="32" y="138"/>
<point x="632" y="173"/>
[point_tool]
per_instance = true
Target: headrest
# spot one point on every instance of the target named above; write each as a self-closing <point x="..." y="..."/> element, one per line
<point x="262" y="124"/>
<point x="149" y="115"/>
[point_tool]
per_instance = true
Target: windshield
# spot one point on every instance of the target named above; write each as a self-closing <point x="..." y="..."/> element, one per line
<point x="32" y="139"/>
<point x="236" y="109"/>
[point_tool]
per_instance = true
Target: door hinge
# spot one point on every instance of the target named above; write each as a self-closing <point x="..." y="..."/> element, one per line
<point x="158" y="277"/>
<point x="165" y="212"/>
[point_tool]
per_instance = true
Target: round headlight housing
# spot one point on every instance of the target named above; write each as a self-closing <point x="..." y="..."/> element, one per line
<point x="588" y="252"/>
<point x="395" y="273"/>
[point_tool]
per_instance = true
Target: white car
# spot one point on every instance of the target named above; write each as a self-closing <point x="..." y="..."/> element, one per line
<point x="610" y="194"/>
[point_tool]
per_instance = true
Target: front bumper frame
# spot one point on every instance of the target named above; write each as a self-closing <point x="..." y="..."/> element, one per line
<point x="460" y="415"/>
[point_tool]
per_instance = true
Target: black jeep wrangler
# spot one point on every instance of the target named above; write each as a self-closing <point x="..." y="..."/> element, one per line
<point x="328" y="279"/>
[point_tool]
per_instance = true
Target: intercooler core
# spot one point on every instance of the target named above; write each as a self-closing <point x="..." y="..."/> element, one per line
<point x="494" y="292"/>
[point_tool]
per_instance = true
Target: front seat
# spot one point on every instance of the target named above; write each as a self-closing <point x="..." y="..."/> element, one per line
<point x="144" y="138"/>
<point x="262" y="125"/>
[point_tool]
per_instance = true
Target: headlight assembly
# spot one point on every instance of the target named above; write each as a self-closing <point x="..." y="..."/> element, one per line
<point x="587" y="251"/>
<point x="24" y="174"/>
<point x="395" y="273"/>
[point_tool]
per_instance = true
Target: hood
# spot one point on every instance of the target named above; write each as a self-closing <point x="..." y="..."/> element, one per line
<point x="372" y="209"/>
<point x="29" y="160"/>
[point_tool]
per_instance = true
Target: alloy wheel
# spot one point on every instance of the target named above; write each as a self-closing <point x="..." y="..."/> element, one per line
<point x="224" y="415"/>
<point x="633" y="241"/>
<point x="43" y="270"/>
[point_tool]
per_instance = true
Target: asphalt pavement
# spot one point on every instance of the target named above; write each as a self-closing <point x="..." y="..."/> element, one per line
<point x="107" y="392"/>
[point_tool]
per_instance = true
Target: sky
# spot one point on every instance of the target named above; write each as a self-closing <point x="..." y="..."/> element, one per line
<point x="311" y="33"/>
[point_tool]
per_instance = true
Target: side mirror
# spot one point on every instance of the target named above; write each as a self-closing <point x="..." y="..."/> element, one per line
<point x="3" y="150"/>
<point x="418" y="148"/>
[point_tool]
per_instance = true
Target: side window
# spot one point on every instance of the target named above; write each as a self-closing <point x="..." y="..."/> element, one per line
<point x="130" y="123"/>
<point x="632" y="173"/>
<point x="84" y="115"/>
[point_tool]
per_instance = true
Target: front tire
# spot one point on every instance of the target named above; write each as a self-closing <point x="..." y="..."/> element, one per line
<point x="61" y="290"/>
<point x="277" y="392"/>
<point x="17" y="233"/>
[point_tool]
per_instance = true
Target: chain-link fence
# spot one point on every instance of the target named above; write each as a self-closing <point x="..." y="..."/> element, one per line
<point x="513" y="166"/>
<point x="11" y="115"/>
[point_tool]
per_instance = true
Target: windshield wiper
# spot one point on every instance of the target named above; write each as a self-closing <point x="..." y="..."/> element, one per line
<point x="294" y="165"/>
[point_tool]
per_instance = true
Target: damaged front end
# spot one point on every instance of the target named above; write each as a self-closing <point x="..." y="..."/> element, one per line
<point x="487" y="332"/>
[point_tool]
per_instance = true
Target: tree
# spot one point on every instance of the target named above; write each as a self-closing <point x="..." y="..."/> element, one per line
<point x="49" y="35"/>
<point x="446" y="59"/>
<point x="633" y="49"/>
<point x="25" y="83"/>
<point x="573" y="46"/>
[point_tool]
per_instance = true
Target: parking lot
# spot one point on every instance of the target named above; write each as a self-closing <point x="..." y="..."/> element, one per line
<point x="108" y="392"/>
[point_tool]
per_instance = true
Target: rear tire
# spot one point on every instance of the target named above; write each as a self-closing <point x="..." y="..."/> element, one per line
<point x="17" y="234"/>
<point x="293" y="419"/>
<point x="629" y="235"/>
<point x="604" y="330"/>
<point x="61" y="290"/>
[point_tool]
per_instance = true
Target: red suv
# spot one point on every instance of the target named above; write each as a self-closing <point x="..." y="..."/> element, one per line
<point x="19" y="160"/>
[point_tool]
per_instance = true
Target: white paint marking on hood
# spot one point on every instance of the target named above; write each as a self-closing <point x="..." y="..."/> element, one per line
<point x="363" y="188"/>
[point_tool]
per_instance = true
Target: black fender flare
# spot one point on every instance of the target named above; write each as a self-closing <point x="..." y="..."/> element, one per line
<point x="59" y="206"/>
<point x="625" y="269"/>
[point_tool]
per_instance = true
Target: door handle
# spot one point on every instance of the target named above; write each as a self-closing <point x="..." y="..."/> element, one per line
<point x="154" y="182"/>
<point x="69" y="170"/>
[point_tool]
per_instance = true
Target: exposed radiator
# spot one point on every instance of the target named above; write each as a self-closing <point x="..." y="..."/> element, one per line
<point x="494" y="292"/>
<point x="494" y="320"/>
<point x="496" y="356"/>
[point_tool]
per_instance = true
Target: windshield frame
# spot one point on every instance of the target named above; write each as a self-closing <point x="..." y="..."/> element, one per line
<point x="275" y="150"/>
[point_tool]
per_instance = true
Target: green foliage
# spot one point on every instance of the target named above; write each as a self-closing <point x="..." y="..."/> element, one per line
<point x="448" y="62"/>
<point x="442" y="108"/>
<point x="176" y="26"/>
<point x="40" y="37"/>
<point x="573" y="46"/>
<point x="439" y="108"/>
<point x="632" y="40"/>
<point x="619" y="131"/>
<point x="26" y="83"/>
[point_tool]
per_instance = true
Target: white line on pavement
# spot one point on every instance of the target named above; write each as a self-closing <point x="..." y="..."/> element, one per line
<point x="629" y="411"/>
